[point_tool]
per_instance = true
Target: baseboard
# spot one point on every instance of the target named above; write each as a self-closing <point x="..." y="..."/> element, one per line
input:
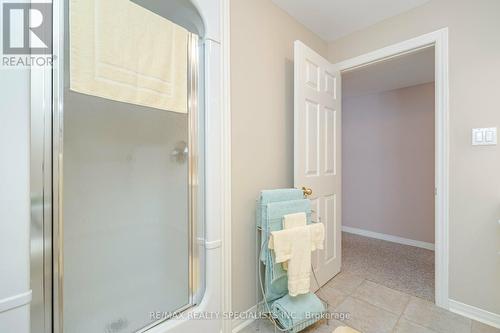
<point x="389" y="238"/>
<point x="239" y="324"/>
<point x="469" y="311"/>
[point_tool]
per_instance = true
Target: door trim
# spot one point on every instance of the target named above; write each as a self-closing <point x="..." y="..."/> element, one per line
<point x="226" y="280"/>
<point x="438" y="39"/>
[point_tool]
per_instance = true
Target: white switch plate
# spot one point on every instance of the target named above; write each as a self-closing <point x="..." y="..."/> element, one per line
<point x="484" y="136"/>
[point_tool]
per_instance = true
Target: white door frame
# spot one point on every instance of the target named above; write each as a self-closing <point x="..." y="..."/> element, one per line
<point x="438" y="39"/>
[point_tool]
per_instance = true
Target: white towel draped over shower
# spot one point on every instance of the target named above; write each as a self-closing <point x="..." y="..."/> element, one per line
<point x="124" y="52"/>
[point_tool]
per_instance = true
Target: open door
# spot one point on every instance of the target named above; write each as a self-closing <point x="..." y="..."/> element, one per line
<point x="317" y="150"/>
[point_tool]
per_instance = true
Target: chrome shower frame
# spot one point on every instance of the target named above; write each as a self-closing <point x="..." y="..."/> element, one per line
<point x="47" y="114"/>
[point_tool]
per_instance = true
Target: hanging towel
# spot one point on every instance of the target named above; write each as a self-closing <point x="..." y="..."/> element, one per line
<point x="271" y="207"/>
<point x="275" y="197"/>
<point x="124" y="52"/>
<point x="276" y="284"/>
<point x="291" y="312"/>
<point x="271" y="216"/>
<point x="294" y="245"/>
<point x="293" y="221"/>
<point x="286" y="194"/>
<point x="277" y="279"/>
<point x="317" y="236"/>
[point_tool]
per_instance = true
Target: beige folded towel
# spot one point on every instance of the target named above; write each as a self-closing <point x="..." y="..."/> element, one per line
<point x="282" y="242"/>
<point x="293" y="221"/>
<point x="124" y="52"/>
<point x="294" y="245"/>
<point x="317" y="236"/>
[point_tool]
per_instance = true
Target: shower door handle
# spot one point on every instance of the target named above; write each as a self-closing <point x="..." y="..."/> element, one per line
<point x="180" y="152"/>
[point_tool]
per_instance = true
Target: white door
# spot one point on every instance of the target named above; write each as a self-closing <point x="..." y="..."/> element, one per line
<point x="317" y="150"/>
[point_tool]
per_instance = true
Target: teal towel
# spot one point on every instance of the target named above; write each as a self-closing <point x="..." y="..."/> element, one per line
<point x="303" y="310"/>
<point x="276" y="279"/>
<point x="271" y="207"/>
<point x="275" y="286"/>
<point x="268" y="196"/>
<point x="272" y="216"/>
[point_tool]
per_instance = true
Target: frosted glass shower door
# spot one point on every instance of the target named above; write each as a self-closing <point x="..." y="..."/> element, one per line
<point x="125" y="215"/>
<point x="125" y="209"/>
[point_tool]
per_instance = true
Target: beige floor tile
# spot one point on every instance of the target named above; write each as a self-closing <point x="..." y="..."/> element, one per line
<point x="429" y="315"/>
<point x="333" y="324"/>
<point x="335" y="316"/>
<point x="260" y="326"/>
<point x="478" y="327"/>
<point x="345" y="282"/>
<point x="321" y="327"/>
<point x="383" y="297"/>
<point x="331" y="295"/>
<point x="366" y="317"/>
<point x="266" y="326"/>
<point x="406" y="326"/>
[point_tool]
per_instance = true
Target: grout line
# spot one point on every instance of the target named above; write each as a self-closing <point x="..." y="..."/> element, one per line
<point x="381" y="308"/>
<point x="402" y="313"/>
<point x="425" y="326"/>
<point x="420" y="325"/>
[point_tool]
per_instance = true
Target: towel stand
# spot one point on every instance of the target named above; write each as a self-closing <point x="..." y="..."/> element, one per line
<point x="264" y="307"/>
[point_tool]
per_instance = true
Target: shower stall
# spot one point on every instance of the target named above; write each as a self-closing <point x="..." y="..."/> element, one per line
<point x="118" y="194"/>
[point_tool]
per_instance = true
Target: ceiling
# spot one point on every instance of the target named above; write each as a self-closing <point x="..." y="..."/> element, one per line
<point x="332" y="19"/>
<point x="394" y="73"/>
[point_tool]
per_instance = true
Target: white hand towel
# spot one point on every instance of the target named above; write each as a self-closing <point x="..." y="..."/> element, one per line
<point x="317" y="236"/>
<point x="281" y="242"/>
<point x="294" y="220"/>
<point x="294" y="245"/>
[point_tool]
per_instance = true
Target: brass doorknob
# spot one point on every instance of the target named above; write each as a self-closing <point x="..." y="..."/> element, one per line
<point x="307" y="191"/>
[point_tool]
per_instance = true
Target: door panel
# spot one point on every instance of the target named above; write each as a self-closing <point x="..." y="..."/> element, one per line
<point x="312" y="137"/>
<point x="317" y="152"/>
<point x="330" y="123"/>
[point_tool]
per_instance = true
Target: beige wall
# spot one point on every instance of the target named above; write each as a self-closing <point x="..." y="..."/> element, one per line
<point x="474" y="39"/>
<point x="262" y="38"/>
<point x="388" y="162"/>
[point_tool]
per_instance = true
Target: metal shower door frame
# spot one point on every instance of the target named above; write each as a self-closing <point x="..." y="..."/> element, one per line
<point x="46" y="168"/>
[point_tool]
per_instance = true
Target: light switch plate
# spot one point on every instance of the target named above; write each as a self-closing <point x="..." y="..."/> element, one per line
<point x="484" y="136"/>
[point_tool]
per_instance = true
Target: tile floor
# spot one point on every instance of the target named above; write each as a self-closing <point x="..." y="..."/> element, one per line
<point x="373" y="308"/>
<point x="384" y="287"/>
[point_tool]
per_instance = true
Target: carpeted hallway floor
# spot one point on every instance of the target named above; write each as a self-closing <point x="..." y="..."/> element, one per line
<point x="400" y="267"/>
